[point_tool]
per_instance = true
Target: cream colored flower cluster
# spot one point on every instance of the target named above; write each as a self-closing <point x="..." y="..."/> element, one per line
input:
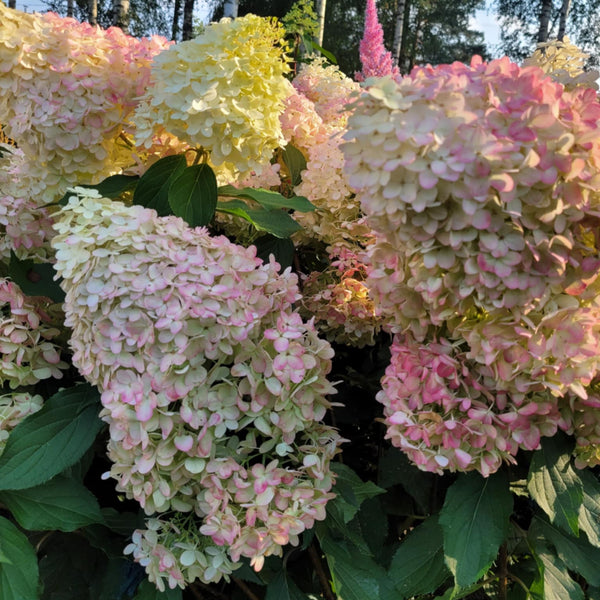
<point x="66" y="92"/>
<point x="565" y="63"/>
<point x="206" y="376"/>
<point x="223" y="91"/>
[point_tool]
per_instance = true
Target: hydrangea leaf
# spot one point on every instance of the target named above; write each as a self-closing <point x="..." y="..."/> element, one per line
<point x="475" y="522"/>
<point x="148" y="591"/>
<point x="18" y="567"/>
<point x="152" y="190"/>
<point x="111" y="187"/>
<point x="355" y="576"/>
<point x="554" y="484"/>
<point x="418" y="565"/>
<point x="576" y="552"/>
<point x="268" y="199"/>
<point x="35" y="279"/>
<point x="276" y="222"/>
<point x="61" y="503"/>
<point x="193" y="195"/>
<point x="589" y="511"/>
<point x="52" y="439"/>
<point x="351" y="490"/>
<point x="554" y="582"/>
<point x="282" y="587"/>
<point x="281" y="248"/>
<point x="295" y="163"/>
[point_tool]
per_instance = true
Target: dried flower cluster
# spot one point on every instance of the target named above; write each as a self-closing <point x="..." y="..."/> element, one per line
<point x="213" y="387"/>
<point x="13" y="409"/>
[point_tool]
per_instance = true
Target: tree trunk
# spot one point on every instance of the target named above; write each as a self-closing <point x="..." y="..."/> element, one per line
<point x="544" y="21"/>
<point x="176" y="18"/>
<point x="230" y="8"/>
<point x="403" y="54"/>
<point x="93" y="12"/>
<point x="398" y="30"/>
<point x="187" y="32"/>
<point x="321" y="7"/>
<point x="417" y="42"/>
<point x="70" y="8"/>
<point x="121" y="14"/>
<point x="564" y="13"/>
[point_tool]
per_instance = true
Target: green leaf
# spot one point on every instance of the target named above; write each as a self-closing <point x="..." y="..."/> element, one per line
<point x="276" y="222"/>
<point x="268" y="199"/>
<point x="351" y="490"/>
<point x="115" y="185"/>
<point x="554" y="484"/>
<point x="60" y="503"/>
<point x="577" y="553"/>
<point x="475" y="522"/>
<point x="283" y="588"/>
<point x="18" y="567"/>
<point x="70" y="567"/>
<point x="122" y="523"/>
<point x="355" y="576"/>
<point x="193" y="195"/>
<point x="148" y="591"/>
<point x="152" y="190"/>
<point x="56" y="437"/>
<point x="418" y="565"/>
<point x="35" y="279"/>
<point x="373" y="522"/>
<point x="295" y="162"/>
<point x="589" y="511"/>
<point x="282" y="249"/>
<point x="554" y="583"/>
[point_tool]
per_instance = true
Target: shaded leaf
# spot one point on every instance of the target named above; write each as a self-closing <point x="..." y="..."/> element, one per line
<point x="148" y="591"/>
<point x="282" y="249"/>
<point x="418" y="565"/>
<point x="115" y="185"/>
<point x="554" y="582"/>
<point x="18" y="567"/>
<point x="355" y="576"/>
<point x="276" y="222"/>
<point x="61" y="503"/>
<point x="282" y="587"/>
<point x="351" y="490"/>
<point x="475" y="522"/>
<point x="52" y="439"/>
<point x="193" y="195"/>
<point x="152" y="190"/>
<point x="295" y="163"/>
<point x="589" y="511"/>
<point x="268" y="199"/>
<point x="577" y="553"/>
<point x="554" y="484"/>
<point x="35" y="279"/>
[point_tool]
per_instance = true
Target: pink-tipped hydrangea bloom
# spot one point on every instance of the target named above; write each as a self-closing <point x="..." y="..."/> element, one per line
<point x="205" y="370"/>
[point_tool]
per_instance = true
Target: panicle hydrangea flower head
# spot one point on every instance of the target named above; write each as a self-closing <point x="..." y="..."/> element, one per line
<point x="375" y="59"/>
<point x="565" y="63"/>
<point x="223" y="90"/>
<point x="328" y="88"/>
<point x="448" y="413"/>
<point x="339" y="301"/>
<point x="13" y="409"/>
<point x="205" y="371"/>
<point x="479" y="178"/>
<point x="27" y="352"/>
<point x="67" y="87"/>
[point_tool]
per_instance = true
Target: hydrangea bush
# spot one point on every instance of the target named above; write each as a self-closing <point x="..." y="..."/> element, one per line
<point x="271" y="332"/>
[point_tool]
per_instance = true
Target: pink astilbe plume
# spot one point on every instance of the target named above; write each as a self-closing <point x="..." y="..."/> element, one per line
<point x="375" y="59"/>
